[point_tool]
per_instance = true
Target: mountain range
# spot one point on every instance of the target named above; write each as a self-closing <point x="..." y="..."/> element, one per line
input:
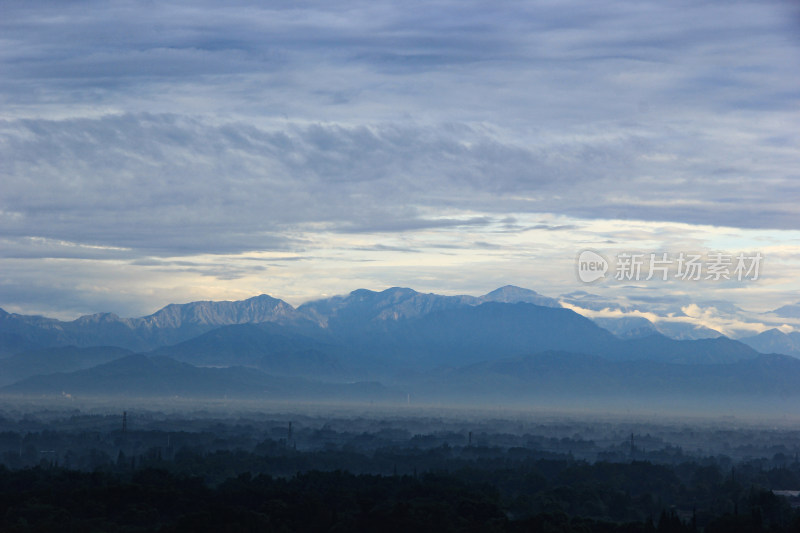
<point x="511" y="342"/>
<point x="174" y="323"/>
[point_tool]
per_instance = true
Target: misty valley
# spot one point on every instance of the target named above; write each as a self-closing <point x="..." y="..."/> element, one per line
<point x="392" y="411"/>
<point x="239" y="466"/>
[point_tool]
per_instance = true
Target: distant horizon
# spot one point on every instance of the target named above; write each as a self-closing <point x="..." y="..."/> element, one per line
<point x="745" y="321"/>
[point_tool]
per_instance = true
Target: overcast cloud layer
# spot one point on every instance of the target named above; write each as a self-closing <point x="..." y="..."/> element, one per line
<point x="167" y="151"/>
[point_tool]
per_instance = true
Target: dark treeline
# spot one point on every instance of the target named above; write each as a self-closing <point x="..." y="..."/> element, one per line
<point x="275" y="487"/>
<point x="147" y="471"/>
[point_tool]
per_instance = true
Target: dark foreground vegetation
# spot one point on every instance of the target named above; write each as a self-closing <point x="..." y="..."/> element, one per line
<point x="236" y="477"/>
<point x="503" y="494"/>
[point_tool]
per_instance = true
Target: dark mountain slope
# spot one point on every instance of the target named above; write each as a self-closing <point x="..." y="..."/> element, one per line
<point x="58" y="359"/>
<point x="142" y="376"/>
<point x="270" y="347"/>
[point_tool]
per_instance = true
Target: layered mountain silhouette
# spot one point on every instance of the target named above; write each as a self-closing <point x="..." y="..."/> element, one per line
<point x="269" y="347"/>
<point x="775" y="341"/>
<point x="509" y="343"/>
<point x="56" y="359"/>
<point x="141" y="376"/>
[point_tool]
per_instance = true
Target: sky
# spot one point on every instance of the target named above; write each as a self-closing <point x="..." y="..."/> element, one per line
<point x="167" y="152"/>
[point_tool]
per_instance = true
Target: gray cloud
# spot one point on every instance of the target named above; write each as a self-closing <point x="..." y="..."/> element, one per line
<point x="543" y="64"/>
<point x="170" y="185"/>
<point x="385" y="248"/>
<point x="134" y="132"/>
